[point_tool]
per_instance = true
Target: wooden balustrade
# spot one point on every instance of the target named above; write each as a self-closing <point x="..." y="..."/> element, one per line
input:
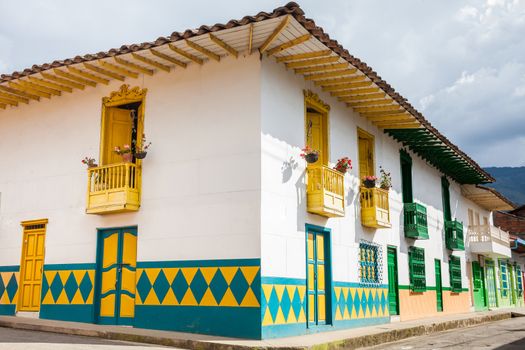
<point x="325" y="191"/>
<point x="375" y="207"/>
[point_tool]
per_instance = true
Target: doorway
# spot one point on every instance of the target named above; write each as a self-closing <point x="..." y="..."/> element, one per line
<point x="393" y="284"/>
<point x="439" y="285"/>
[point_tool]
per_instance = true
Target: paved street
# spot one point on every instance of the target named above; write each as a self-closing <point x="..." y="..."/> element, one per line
<point x="502" y="335"/>
<point x="13" y="339"/>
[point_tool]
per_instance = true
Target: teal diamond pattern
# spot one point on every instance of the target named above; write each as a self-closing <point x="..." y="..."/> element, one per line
<point x="239" y="286"/>
<point x="56" y="287"/>
<point x="143" y="286"/>
<point x="198" y="286"/>
<point x="218" y="286"/>
<point x="71" y="286"/>
<point x="86" y="286"/>
<point x="161" y="286"/>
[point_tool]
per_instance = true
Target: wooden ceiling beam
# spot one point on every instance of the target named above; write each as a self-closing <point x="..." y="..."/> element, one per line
<point x="347" y="86"/>
<point x="415" y="125"/>
<point x="275" y="34"/>
<point x="250" y="39"/>
<point x="19" y="92"/>
<point x="105" y="72"/>
<point x="38" y="87"/>
<point x="380" y="102"/>
<point x="63" y="81"/>
<point x="119" y="70"/>
<point x="289" y="44"/>
<point x="49" y="84"/>
<point x="87" y="75"/>
<point x="134" y="66"/>
<point x="326" y="76"/>
<point x="338" y="81"/>
<point x="168" y="58"/>
<point x="186" y="54"/>
<point x="221" y="43"/>
<point x="203" y="50"/>
<point x="75" y="78"/>
<point x="151" y="62"/>
<point x="391" y="108"/>
<point x="3" y="106"/>
<point x="323" y="68"/>
<point x="302" y="56"/>
<point x="16" y="98"/>
<point x="392" y="118"/>
<point x="6" y="101"/>
<point x="382" y="113"/>
<point x="349" y="94"/>
<point x="312" y="62"/>
<point x="29" y="90"/>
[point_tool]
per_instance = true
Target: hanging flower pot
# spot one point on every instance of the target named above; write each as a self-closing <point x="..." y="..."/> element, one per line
<point x="369" y="181"/>
<point x="141" y="155"/>
<point x="310" y="155"/>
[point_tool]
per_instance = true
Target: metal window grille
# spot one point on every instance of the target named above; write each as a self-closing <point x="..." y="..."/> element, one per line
<point x="370" y="263"/>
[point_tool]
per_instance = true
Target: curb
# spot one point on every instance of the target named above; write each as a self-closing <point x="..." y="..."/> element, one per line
<point x="350" y="343"/>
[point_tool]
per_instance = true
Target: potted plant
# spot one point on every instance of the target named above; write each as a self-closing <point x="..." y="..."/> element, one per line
<point x="142" y="150"/>
<point x="369" y="181"/>
<point x="310" y="155"/>
<point x="385" y="181"/>
<point x="343" y="165"/>
<point x="125" y="152"/>
<point x="90" y="162"/>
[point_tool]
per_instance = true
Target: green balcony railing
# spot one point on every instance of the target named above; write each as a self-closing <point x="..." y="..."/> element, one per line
<point x="454" y="235"/>
<point x="415" y="221"/>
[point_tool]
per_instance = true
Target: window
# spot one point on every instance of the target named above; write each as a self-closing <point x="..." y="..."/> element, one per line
<point x="454" y="266"/>
<point x="504" y="279"/>
<point x="316" y="128"/>
<point x="445" y="194"/>
<point x="370" y="256"/>
<point x="470" y="217"/>
<point x="406" y="176"/>
<point x="519" y="280"/>
<point x="366" y="153"/>
<point x="416" y="266"/>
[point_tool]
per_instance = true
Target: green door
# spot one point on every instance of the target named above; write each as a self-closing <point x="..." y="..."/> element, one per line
<point x="393" y="298"/>
<point x="490" y="285"/>
<point x="439" y="286"/>
<point x="318" y="282"/>
<point x="512" y="281"/>
<point x="478" y="284"/>
<point x="116" y="265"/>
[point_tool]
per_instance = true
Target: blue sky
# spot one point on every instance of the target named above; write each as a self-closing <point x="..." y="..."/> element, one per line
<point x="461" y="63"/>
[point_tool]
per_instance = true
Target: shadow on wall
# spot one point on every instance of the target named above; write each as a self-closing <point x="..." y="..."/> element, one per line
<point x="287" y="169"/>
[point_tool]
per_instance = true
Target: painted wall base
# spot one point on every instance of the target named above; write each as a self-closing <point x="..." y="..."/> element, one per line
<point x="73" y="313"/>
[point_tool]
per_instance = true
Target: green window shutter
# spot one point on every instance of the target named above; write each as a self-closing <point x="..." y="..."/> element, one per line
<point x="406" y="176"/>
<point x="504" y="279"/>
<point x="445" y="196"/>
<point x="416" y="262"/>
<point x="519" y="280"/>
<point x="454" y="266"/>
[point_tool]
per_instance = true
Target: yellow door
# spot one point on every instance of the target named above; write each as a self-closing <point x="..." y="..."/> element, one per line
<point x="316" y="137"/>
<point x="117" y="263"/>
<point x="118" y="133"/>
<point x="366" y="155"/>
<point x="33" y="249"/>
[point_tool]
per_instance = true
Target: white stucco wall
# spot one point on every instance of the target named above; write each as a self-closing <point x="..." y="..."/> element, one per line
<point x="283" y="208"/>
<point x="201" y="179"/>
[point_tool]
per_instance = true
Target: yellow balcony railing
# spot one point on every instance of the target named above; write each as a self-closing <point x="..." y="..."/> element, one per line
<point x="375" y="209"/>
<point x="113" y="188"/>
<point x="325" y="191"/>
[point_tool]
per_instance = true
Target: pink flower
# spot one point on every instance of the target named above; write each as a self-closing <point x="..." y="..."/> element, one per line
<point x="126" y="146"/>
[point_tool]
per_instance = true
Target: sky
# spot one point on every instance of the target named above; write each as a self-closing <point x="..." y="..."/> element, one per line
<point x="460" y="63"/>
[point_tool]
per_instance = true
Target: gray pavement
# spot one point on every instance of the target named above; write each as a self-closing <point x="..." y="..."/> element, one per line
<point x="15" y="339"/>
<point x="501" y="335"/>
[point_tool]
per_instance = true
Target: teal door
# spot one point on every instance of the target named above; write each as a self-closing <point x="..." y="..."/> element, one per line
<point x="439" y="285"/>
<point x="393" y="285"/>
<point x="116" y="265"/>
<point x="490" y="285"/>
<point x="318" y="277"/>
<point x="478" y="287"/>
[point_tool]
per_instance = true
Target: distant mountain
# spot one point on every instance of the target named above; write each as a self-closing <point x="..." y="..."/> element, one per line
<point x="510" y="182"/>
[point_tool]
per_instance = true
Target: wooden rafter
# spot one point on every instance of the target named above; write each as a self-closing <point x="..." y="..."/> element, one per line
<point x="168" y="58"/>
<point x="275" y="34"/>
<point x="366" y="109"/>
<point x="75" y="78"/>
<point x="16" y="98"/>
<point x="6" y="101"/>
<point x="380" y="102"/>
<point x="312" y="62"/>
<point x="303" y="56"/>
<point x="87" y="75"/>
<point x="351" y="96"/>
<point x="382" y="113"/>
<point x="339" y="81"/>
<point x="105" y="72"/>
<point x="289" y="44"/>
<point x="350" y="93"/>
<point x="119" y="70"/>
<point x="345" y="86"/>
<point x="410" y="125"/>
<point x="151" y="62"/>
<point x="185" y="54"/>
<point x="29" y="90"/>
<point x="250" y="39"/>
<point x="49" y="84"/>
<point x="323" y="68"/>
<point x="325" y="76"/>
<point x="3" y="106"/>
<point x="395" y="117"/>
<point x="223" y="45"/>
<point x="38" y="87"/>
<point x="133" y="66"/>
<point x="203" y="50"/>
<point x="19" y="92"/>
<point x="63" y="81"/>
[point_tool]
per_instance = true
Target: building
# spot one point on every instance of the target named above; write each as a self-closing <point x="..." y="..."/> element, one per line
<point x="223" y="228"/>
<point x="512" y="221"/>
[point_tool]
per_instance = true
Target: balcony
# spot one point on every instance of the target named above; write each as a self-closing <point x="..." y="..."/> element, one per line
<point x="375" y="209"/>
<point x="113" y="188"/>
<point x="325" y="191"/>
<point x="415" y="221"/>
<point x="489" y="240"/>
<point x="454" y="235"/>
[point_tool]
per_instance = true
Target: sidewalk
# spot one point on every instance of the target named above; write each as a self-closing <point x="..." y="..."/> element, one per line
<point x="341" y="339"/>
